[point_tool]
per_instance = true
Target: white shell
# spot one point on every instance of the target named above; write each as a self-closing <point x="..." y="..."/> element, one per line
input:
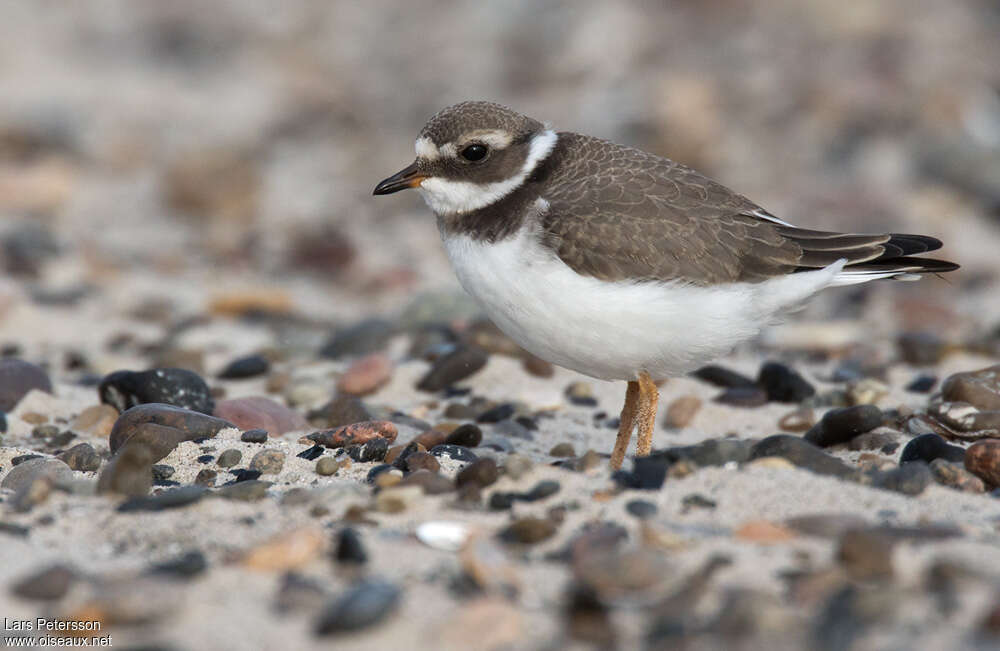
<point x="443" y="535"/>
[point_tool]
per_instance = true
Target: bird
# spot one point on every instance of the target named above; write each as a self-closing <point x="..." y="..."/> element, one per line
<point x="617" y="263"/>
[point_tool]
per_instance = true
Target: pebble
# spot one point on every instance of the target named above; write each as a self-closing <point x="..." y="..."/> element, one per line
<point x="963" y="417"/>
<point x="365" y="375"/>
<point x="980" y="388"/>
<point x="244" y="474"/>
<point x="429" y="482"/>
<point x="21" y="458"/>
<point x="529" y="530"/>
<point x="723" y="377"/>
<point x="81" y="456"/>
<point x="497" y="413"/>
<point x="922" y="384"/>
<point x="23" y="474"/>
<point x="254" y="436"/>
<point x="361" y="606"/>
<point x="515" y="429"/>
<point x="259" y="412"/>
<point x="516" y="466"/>
<point x="866" y="554"/>
<point x="711" y="452"/>
<point x="443" y="535"/>
<point x="397" y="499"/>
<point x="245" y="367"/>
<point x="162" y="472"/>
<point x="17" y="378"/>
<point x="229" y="458"/>
<point x="681" y="411"/>
<point x="130" y="470"/>
<point x="375" y="471"/>
<point x="249" y="490"/>
<point x="162" y="427"/>
<point x="349" y="548"/>
<point x="172" y="498"/>
<point x="648" y="473"/>
<point x="982" y="459"/>
<point x="355" y="434"/>
<point x="537" y="366"/>
<point x="581" y="394"/>
<point x="342" y="410"/>
<point x="286" y="551"/>
<point x="641" y="509"/>
<point x="374" y="451"/>
<point x="908" y="479"/>
<point x="949" y="473"/>
<point x="327" y="466"/>
<point x="697" y="501"/>
<point x="878" y="439"/>
<point x="173" y="386"/>
<point x="841" y="425"/>
<point x="466" y="436"/>
<point x="186" y="566"/>
<point x="562" y="450"/>
<point x="586" y="461"/>
<point x="743" y="396"/>
<point x="48" y="584"/>
<point x="368" y="336"/>
<point x="783" y="384"/>
<point x="928" y="447"/>
<point x="801" y="453"/>
<point x="268" y="462"/>
<point x="420" y="461"/>
<point x="454" y="452"/>
<point x="921" y="348"/>
<point x="867" y="391"/>
<point x="206" y="477"/>
<point x="454" y="367"/>
<point x="95" y="420"/>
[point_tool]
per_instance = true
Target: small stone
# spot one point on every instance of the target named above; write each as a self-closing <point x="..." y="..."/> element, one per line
<point x="206" y="477"/>
<point x="763" y="532"/>
<point x="258" y="412"/>
<point x="866" y="554"/>
<point x="162" y="427"/>
<point x="169" y="499"/>
<point x="803" y="454"/>
<point x="23" y="474"/>
<point x="982" y="459"/>
<point x="186" y="566"/>
<point x="723" y="377"/>
<point x="648" y="473"/>
<point x="454" y="367"/>
<point x="466" y="436"/>
<point x="749" y="396"/>
<point x="349" y="549"/>
<point x="393" y="477"/>
<point x="430" y="482"/>
<point x="928" y="447"/>
<point x="681" y="412"/>
<point x="81" y="457"/>
<point x="874" y="440"/>
<point x="497" y="413"/>
<point x="374" y="451"/>
<point x="49" y="584"/>
<point x="711" y="452"/>
<point x="248" y="490"/>
<point x="867" y="391"/>
<point x="697" y="501"/>
<point x="245" y="367"/>
<point x="586" y="461"/>
<point x="327" y="466"/>
<point x="948" y="473"/>
<point x="783" y="384"/>
<point x="454" y="452"/>
<point x="342" y="410"/>
<point x="17" y="378"/>
<point x="268" y="462"/>
<point x="366" y="375"/>
<point x="581" y="394"/>
<point x="841" y="425"/>
<point x="537" y="366"/>
<point x="162" y="472"/>
<point x="96" y="420"/>
<point x="361" y="606"/>
<point x="797" y="421"/>
<point x="437" y="435"/>
<point x="921" y="348"/>
<point x="641" y="509"/>
<point x="516" y="466"/>
<point x="562" y="450"/>
<point x="421" y="461"/>
<point x="245" y="474"/>
<point x="173" y="386"/>
<point x="369" y="336"/>
<point x="397" y="498"/>
<point x="922" y="384"/>
<point x="355" y="434"/>
<point x="908" y="479"/>
<point x="286" y="552"/>
<point x="528" y="531"/>
<point x="254" y="436"/>
<point x="130" y="470"/>
<point x="980" y="389"/>
<point x="229" y="458"/>
<point x="378" y="470"/>
<point x="541" y="490"/>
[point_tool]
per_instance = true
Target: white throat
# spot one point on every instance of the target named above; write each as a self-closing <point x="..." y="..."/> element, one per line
<point x="448" y="197"/>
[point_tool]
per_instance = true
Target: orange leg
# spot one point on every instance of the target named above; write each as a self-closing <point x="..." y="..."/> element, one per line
<point x="649" y="398"/>
<point x="626" y="425"/>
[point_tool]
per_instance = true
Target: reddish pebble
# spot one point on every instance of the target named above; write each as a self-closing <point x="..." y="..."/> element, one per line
<point x="365" y="375"/>
<point x="355" y="434"/>
<point x="982" y="459"/>
<point x="258" y="412"/>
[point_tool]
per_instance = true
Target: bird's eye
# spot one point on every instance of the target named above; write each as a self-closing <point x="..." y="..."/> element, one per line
<point x="474" y="152"/>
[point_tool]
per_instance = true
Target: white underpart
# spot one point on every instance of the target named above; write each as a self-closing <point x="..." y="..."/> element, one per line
<point x="449" y="197"/>
<point x="614" y="330"/>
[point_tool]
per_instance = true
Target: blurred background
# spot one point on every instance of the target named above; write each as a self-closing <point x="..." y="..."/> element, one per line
<point x="160" y="159"/>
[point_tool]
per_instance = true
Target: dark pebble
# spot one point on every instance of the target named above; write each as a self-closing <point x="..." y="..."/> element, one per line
<point x="243" y="474"/>
<point x="49" y="584"/>
<point x="81" y="456"/>
<point x="922" y="384"/>
<point x="562" y="450"/>
<point x="515" y="429"/>
<point x="421" y="461"/>
<point x="908" y="479"/>
<point x="162" y="427"/>
<point x="372" y="451"/>
<point x="481" y="473"/>
<point x="866" y="554"/>
<point x="129" y="472"/>
<point x="173" y="386"/>
<point x="368" y="336"/>
<point x="502" y="501"/>
<point x="3" y="422"/>
<point x="841" y="425"/>
<point x="456" y="452"/>
<point x="186" y="566"/>
<point x="921" y="348"/>
<point x="712" y="452"/>
<point x="349" y="548"/>
<point x="783" y="384"/>
<point x="363" y="605"/>
<point x="172" y="498"/>
<point x="460" y="411"/>
<point x="206" y="477"/>
<point x="17" y="530"/>
<point x="229" y="458"/>
<point x="697" y="501"/>
<point x="245" y="367"/>
<point x="454" y="367"/>
<point x="17" y="378"/>
<point x="641" y="509"/>
<point x="342" y="410"/>
<point x="376" y="471"/>
<point x="928" y="447"/>
<point x="21" y="458"/>
<point x="497" y="413"/>
<point x="528" y="531"/>
<point x="205" y="458"/>
<point x="541" y="490"/>
<point x="803" y="454"/>
<point x="752" y="396"/>
<point x="876" y="440"/>
<point x="400" y="460"/>
<point x="248" y="490"/>
<point x="314" y="452"/>
<point x="648" y="473"/>
<point x="254" y="436"/>
<point x="430" y="482"/>
<point x="723" y="377"/>
<point x="162" y="471"/>
<point x="466" y="436"/>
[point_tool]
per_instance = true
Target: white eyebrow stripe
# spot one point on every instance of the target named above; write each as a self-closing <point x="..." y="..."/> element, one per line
<point x="426" y="149"/>
<point x="495" y="139"/>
